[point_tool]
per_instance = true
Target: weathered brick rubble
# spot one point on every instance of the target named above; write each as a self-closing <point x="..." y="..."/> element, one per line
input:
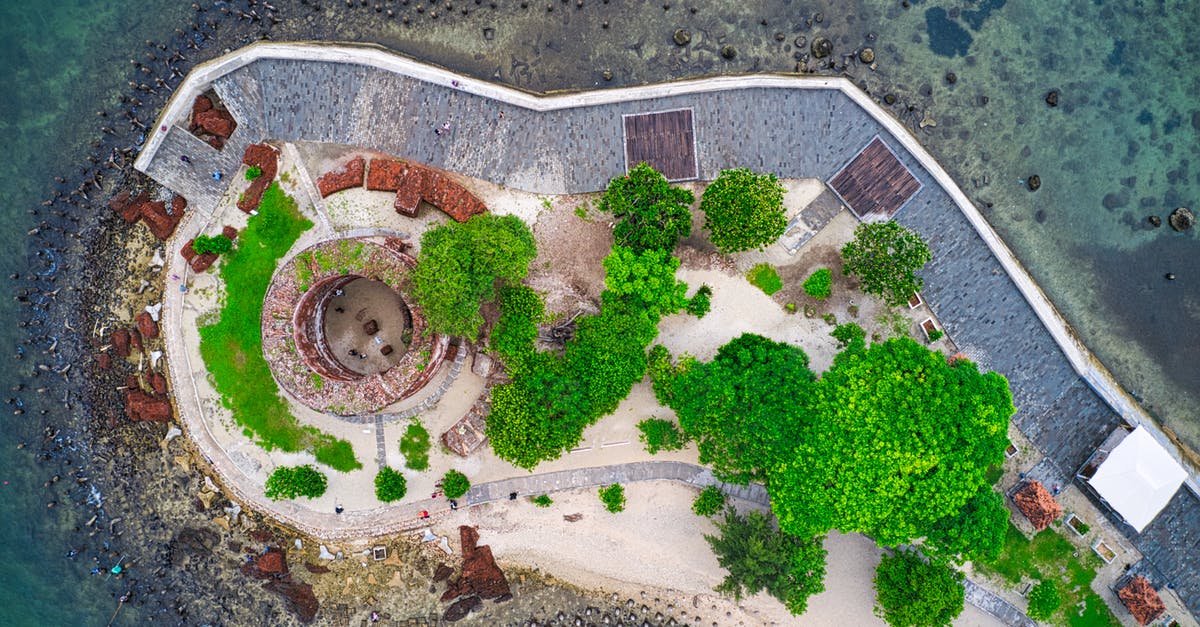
<point x="265" y="157"/>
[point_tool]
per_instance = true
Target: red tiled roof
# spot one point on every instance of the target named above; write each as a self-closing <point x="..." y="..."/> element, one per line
<point x="1038" y="505"/>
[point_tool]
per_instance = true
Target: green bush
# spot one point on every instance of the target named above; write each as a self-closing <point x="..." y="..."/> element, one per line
<point x="289" y="482"/>
<point x="253" y="172"/>
<point x="414" y="446"/>
<point x="1044" y="601"/>
<point x="759" y="557"/>
<point x="218" y="244"/>
<point x="710" y="501"/>
<point x="743" y="210"/>
<point x="390" y="485"/>
<point x="650" y="213"/>
<point x="542" y="500"/>
<point x="911" y="592"/>
<point x="661" y="435"/>
<point x="701" y="302"/>
<point x="764" y="277"/>
<point x="819" y="284"/>
<point x="849" y="335"/>
<point x="885" y="257"/>
<point x="455" y="484"/>
<point x="613" y="497"/>
<point x="936" y="335"/>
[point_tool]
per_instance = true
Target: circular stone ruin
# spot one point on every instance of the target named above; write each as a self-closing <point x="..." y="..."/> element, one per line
<point x="341" y="332"/>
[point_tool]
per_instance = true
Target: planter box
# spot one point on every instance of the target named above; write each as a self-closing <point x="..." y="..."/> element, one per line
<point x="915" y="301"/>
<point x="1011" y="451"/>
<point x="1077" y="525"/>
<point x="1104" y="551"/>
<point x="928" y="326"/>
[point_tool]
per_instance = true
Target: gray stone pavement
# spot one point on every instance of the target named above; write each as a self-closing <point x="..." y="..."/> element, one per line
<point x="796" y="127"/>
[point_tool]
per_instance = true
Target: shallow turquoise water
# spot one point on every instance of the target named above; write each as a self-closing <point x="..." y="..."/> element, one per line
<point x="1121" y="145"/>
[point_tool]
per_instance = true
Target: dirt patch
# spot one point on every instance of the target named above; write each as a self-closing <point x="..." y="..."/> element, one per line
<point x="569" y="268"/>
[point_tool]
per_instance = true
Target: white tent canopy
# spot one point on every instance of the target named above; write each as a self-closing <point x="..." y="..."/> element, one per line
<point x="1138" y="478"/>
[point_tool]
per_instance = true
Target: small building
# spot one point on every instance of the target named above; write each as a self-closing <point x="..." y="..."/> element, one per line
<point x="1134" y="475"/>
<point x="1142" y="600"/>
<point x="1038" y="505"/>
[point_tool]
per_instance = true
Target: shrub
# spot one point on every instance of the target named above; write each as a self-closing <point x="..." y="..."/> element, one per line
<point x="936" y="335"/>
<point x="886" y="257"/>
<point x="289" y="482"/>
<point x="829" y="318"/>
<point x="764" y="277"/>
<point x="710" y="501"/>
<point x="613" y="497"/>
<point x="1044" y="601"/>
<point x="542" y="500"/>
<point x="650" y="213"/>
<point x="743" y="210"/>
<point x="819" y="284"/>
<point x="661" y="435"/>
<point x="759" y="557"/>
<point x="253" y="172"/>
<point x="455" y="484"/>
<point x="390" y="485"/>
<point x="701" y="302"/>
<point x="414" y="446"/>
<point x="849" y="335"/>
<point x="218" y="244"/>
<point x="911" y="592"/>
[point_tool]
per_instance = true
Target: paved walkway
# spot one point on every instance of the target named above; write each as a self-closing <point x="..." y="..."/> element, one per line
<point x="796" y="127"/>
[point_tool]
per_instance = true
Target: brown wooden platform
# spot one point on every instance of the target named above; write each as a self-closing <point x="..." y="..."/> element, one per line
<point x="664" y="139"/>
<point x="875" y="182"/>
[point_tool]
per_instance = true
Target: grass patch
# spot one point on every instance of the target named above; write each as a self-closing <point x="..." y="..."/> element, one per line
<point x="764" y="277"/>
<point x="1049" y="556"/>
<point x="414" y="446"/>
<point x="232" y="347"/>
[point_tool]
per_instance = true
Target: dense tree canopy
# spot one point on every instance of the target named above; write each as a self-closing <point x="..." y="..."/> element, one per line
<point x="743" y="210"/>
<point x="744" y="408"/>
<point x="645" y="280"/>
<point x="759" y="557"/>
<point x="912" y="592"/>
<point x="460" y="265"/>
<point x="975" y="532"/>
<point x="651" y="214"/>
<point x="390" y="485"/>
<point x="897" y="440"/>
<point x="885" y="257"/>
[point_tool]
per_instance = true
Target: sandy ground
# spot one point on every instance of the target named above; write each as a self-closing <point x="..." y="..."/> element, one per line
<point x="655" y="549"/>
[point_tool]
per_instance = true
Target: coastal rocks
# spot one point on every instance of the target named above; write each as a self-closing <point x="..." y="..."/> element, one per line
<point x="728" y="52"/>
<point x="821" y="48"/>
<point x="1182" y="219"/>
<point x="348" y="176"/>
<point x="480" y="574"/>
<point x="682" y="37"/>
<point x="120" y="342"/>
<point x="1154" y="221"/>
<point x="298" y="596"/>
<point x="143" y="407"/>
<point x="1034" y="183"/>
<point x="316" y="569"/>
<point x="266" y="158"/>
<point x="212" y="124"/>
<point x="146" y="326"/>
<point x="866" y="55"/>
<point x="442" y="573"/>
<point x="1052" y="98"/>
<point x="152" y="212"/>
<point x="460" y="608"/>
<point x="195" y="541"/>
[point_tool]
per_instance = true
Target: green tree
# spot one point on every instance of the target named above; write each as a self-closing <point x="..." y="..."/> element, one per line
<point x="613" y="497"/>
<point x="650" y="213"/>
<point x="759" y="557"/>
<point x="414" y="446"/>
<point x="743" y="210"/>
<point x="460" y="266"/>
<point x="289" y="482"/>
<point x="897" y="440"/>
<point x="645" y="281"/>
<point x="975" y="532"/>
<point x="516" y="330"/>
<point x="701" y="302"/>
<point x="744" y="408"/>
<point x="390" y="485"/>
<point x="1044" y="600"/>
<point x="819" y="284"/>
<point x="850" y="336"/>
<point x="542" y="500"/>
<point x="886" y="257"/>
<point x="455" y="484"/>
<point x="218" y="244"/>
<point x="661" y="435"/>
<point x="710" y="501"/>
<point x="911" y="592"/>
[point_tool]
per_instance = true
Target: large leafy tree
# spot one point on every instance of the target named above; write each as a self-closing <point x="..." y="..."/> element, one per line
<point x="743" y="210"/>
<point x="759" y="557"/>
<point x="461" y="264"/>
<point x="645" y="280"/>
<point x="897" y="440"/>
<point x="912" y="592"/>
<point x="744" y="408"/>
<point x="975" y="532"/>
<point x="885" y="257"/>
<point x="651" y="214"/>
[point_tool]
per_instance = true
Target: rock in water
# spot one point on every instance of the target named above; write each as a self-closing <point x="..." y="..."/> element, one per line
<point x="1154" y="221"/>
<point x="821" y="47"/>
<point x="1052" y="98"/>
<point x="866" y="55"/>
<point x="728" y="51"/>
<point x="1034" y="182"/>
<point x="1182" y="219"/>
<point x="682" y="37"/>
<point x="460" y="608"/>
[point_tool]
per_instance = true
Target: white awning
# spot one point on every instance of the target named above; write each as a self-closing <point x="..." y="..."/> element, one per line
<point x="1138" y="478"/>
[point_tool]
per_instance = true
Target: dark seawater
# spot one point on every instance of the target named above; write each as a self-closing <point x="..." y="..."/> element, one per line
<point x="1121" y="145"/>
